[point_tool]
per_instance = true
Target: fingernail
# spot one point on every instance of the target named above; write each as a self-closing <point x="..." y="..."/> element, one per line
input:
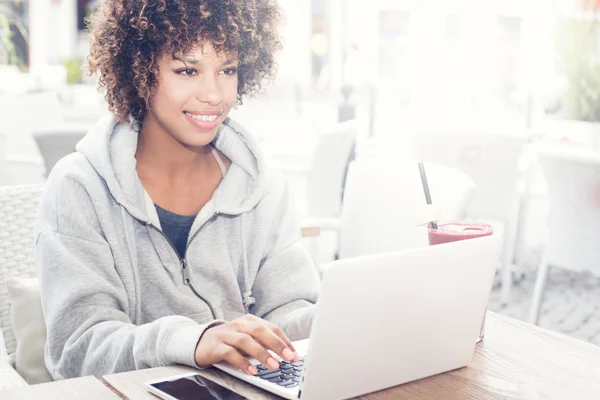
<point x="272" y="363"/>
<point x="252" y="369"/>
<point x="287" y="354"/>
<point x="296" y="357"/>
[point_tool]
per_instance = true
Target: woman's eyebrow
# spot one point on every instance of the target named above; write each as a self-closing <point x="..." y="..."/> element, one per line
<point x="229" y="61"/>
<point x="191" y="60"/>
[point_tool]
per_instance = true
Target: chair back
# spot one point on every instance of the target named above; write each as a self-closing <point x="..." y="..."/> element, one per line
<point x="325" y="180"/>
<point x="490" y="159"/>
<point x="23" y="114"/>
<point x="4" y="178"/>
<point x="56" y="143"/>
<point x="574" y="217"/>
<point x="384" y="203"/>
<point x="18" y="206"/>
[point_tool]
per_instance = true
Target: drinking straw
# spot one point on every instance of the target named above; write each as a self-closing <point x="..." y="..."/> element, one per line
<point x="426" y="190"/>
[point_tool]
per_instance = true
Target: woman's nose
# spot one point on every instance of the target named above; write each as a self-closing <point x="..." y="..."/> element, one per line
<point x="210" y="91"/>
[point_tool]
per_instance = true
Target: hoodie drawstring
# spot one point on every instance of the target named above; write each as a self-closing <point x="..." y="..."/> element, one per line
<point x="247" y="298"/>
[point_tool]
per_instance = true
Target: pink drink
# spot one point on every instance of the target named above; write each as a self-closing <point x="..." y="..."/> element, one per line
<point x="460" y="230"/>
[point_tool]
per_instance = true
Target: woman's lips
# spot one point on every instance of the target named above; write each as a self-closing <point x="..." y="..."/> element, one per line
<point x="204" y="120"/>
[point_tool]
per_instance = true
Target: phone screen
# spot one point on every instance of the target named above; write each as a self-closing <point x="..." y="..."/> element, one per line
<point x="195" y="387"/>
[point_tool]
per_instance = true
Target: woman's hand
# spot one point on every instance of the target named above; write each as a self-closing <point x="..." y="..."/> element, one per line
<point x="248" y="335"/>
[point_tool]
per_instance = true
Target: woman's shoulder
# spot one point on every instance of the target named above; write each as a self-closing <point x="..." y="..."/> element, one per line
<point x="72" y="170"/>
<point x="72" y="180"/>
<point x="68" y="195"/>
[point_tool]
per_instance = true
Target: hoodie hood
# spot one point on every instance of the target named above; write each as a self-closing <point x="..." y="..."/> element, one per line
<point x="110" y="148"/>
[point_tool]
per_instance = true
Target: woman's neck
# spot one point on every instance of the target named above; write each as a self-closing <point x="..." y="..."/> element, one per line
<point x="159" y="154"/>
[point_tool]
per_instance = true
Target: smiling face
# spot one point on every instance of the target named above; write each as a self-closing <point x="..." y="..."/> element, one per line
<point x="194" y="95"/>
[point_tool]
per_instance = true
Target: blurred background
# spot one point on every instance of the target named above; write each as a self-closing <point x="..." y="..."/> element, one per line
<point x="501" y="99"/>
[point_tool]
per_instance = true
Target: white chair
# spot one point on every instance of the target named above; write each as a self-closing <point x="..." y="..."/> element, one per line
<point x="3" y="161"/>
<point x="384" y="204"/>
<point x="15" y="169"/>
<point x="56" y="142"/>
<point x="21" y="115"/>
<point x="323" y="171"/>
<point x="18" y="206"/>
<point x="574" y="219"/>
<point x="491" y="159"/>
<point x="24" y="170"/>
<point x="323" y="181"/>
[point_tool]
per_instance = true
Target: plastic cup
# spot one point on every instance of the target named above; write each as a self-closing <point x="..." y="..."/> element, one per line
<point x="460" y="230"/>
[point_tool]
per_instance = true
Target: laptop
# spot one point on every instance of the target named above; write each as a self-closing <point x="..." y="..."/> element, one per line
<point x="388" y="319"/>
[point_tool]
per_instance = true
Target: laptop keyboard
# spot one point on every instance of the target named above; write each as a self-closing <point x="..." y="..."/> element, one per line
<point x="287" y="375"/>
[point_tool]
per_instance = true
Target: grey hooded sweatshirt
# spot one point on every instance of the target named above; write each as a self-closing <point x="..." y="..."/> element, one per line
<point x="116" y="295"/>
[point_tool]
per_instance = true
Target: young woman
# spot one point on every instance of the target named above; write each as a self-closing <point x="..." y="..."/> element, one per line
<point x="165" y="239"/>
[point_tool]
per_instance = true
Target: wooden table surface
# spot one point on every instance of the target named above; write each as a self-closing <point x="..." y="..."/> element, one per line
<point x="131" y="385"/>
<point x="87" y="388"/>
<point x="516" y="361"/>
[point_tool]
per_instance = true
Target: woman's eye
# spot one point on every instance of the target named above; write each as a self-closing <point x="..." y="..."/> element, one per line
<point x="229" y="71"/>
<point x="187" y="72"/>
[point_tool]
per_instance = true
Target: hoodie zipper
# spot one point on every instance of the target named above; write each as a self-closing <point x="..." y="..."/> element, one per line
<point x="183" y="262"/>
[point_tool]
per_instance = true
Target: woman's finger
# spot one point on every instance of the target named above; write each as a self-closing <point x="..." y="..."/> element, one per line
<point x="263" y="333"/>
<point x="279" y="332"/>
<point x="232" y="356"/>
<point x="245" y="343"/>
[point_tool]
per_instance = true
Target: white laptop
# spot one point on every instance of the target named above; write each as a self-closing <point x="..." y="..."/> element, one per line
<point x="389" y="319"/>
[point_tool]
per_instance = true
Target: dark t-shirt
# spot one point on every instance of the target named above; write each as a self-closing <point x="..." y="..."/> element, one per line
<point x="176" y="227"/>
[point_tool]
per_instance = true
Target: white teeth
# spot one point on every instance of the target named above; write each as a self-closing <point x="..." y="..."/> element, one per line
<point x="203" y="118"/>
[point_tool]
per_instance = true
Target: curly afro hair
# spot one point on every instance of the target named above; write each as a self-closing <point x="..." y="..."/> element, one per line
<point x="129" y="36"/>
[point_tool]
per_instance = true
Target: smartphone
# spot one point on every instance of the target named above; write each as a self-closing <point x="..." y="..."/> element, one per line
<point x="190" y="387"/>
